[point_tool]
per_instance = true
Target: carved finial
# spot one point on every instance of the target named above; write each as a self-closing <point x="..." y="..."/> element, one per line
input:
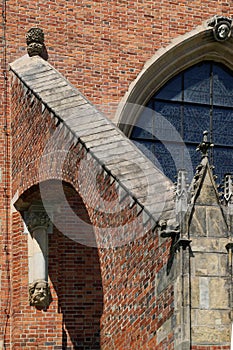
<point x="222" y="27"/>
<point x="228" y="200"/>
<point x="228" y="188"/>
<point x="205" y="145"/>
<point x="181" y="192"/>
<point x="35" y="43"/>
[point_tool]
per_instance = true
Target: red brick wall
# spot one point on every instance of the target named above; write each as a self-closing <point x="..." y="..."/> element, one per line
<point x="5" y="190"/>
<point x="73" y="318"/>
<point x="31" y="329"/>
<point x="108" y="296"/>
<point x="101" y="46"/>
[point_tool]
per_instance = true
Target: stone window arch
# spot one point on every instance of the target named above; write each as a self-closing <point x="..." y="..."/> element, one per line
<point x="196" y="48"/>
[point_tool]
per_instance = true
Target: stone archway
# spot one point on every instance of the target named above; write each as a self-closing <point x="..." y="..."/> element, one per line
<point x="183" y="52"/>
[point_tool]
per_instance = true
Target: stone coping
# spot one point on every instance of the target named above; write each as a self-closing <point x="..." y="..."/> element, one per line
<point x="118" y="156"/>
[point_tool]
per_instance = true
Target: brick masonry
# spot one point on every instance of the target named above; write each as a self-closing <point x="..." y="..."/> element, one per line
<point x="120" y="289"/>
<point x="100" y="47"/>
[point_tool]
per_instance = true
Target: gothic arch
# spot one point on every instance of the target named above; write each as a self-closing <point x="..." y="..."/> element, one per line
<point x="182" y="53"/>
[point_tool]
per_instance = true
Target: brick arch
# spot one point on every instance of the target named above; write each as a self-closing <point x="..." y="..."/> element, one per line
<point x="38" y="142"/>
<point x="43" y="148"/>
<point x="119" y="218"/>
<point x="182" y="53"/>
<point x="74" y="271"/>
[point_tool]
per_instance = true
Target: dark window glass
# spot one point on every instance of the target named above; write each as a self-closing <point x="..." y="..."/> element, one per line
<point x="222" y="87"/>
<point x="196" y="120"/>
<point x="171" y="124"/>
<point x="172" y="90"/>
<point x="197" y="84"/>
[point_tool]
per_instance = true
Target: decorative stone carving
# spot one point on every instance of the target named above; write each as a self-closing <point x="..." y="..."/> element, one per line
<point x="38" y="223"/>
<point x="228" y="199"/>
<point x="169" y="229"/>
<point x="36" y="219"/>
<point x="205" y="145"/>
<point x="39" y="294"/>
<point x="228" y="188"/>
<point x="222" y="29"/>
<point x="181" y="194"/>
<point x="35" y="35"/>
<point x="35" y="42"/>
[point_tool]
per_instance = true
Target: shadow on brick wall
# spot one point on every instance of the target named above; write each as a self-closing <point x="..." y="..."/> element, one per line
<point x="74" y="270"/>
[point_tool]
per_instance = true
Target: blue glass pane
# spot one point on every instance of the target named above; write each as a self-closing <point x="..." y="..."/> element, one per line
<point x="167" y="118"/>
<point x="185" y="112"/>
<point x="196" y="120"/>
<point x="223" y="161"/>
<point x="144" y="126"/>
<point x="172" y="90"/>
<point x="197" y="84"/>
<point x="222" y="86"/>
<point x="173" y="157"/>
<point x="168" y="157"/>
<point x="223" y="126"/>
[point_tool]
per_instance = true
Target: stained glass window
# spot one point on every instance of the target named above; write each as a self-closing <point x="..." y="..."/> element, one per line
<point x="172" y="122"/>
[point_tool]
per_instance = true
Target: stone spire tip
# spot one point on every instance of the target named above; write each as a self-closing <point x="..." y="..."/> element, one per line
<point x="205" y="145"/>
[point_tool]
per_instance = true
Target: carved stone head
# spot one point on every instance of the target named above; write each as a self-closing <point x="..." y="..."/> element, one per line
<point x="222" y="27"/>
<point x="222" y="31"/>
<point x="39" y="294"/>
<point x="35" y="43"/>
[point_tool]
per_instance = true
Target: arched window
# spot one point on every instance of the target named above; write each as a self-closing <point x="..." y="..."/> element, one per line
<point x="170" y="127"/>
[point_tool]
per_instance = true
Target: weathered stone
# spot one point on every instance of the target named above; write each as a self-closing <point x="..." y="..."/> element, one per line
<point x="215" y="223"/>
<point x="163" y="280"/>
<point x="204" y="292"/>
<point x="223" y="265"/>
<point x="221" y="27"/>
<point x="164" y="330"/>
<point x="96" y="129"/>
<point x="195" y="292"/>
<point x="207" y="195"/>
<point x="36" y="78"/>
<point x="206" y="244"/>
<point x="35" y="35"/>
<point x="37" y="219"/>
<point x="218" y="293"/>
<point x="206" y="264"/>
<point x="212" y="317"/>
<point x="210" y="335"/>
<point x="198" y="222"/>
